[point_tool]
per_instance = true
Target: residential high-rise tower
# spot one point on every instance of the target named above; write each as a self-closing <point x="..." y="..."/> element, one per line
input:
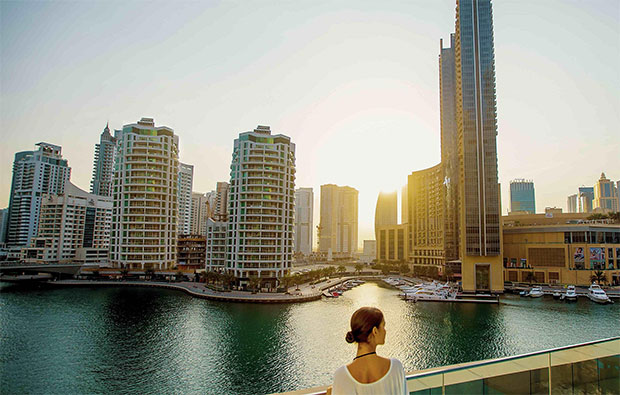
<point x="261" y="206"/>
<point x="145" y="214"/>
<point x="186" y="181"/>
<point x="339" y="220"/>
<point x="103" y="165"/>
<point x="35" y="173"/>
<point x="304" y="202"/>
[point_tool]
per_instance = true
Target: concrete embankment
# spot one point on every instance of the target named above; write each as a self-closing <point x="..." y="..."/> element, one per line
<point x="197" y="290"/>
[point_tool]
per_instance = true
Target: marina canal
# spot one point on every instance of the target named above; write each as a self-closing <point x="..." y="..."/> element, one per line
<point x="144" y="340"/>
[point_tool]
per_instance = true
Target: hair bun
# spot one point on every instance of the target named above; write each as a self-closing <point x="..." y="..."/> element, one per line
<point x="350" y="338"/>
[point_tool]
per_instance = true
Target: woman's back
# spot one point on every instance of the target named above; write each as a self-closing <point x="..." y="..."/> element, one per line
<point x="370" y="369"/>
<point x="355" y="382"/>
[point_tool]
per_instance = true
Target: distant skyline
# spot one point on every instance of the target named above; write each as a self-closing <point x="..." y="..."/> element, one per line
<point x="355" y="84"/>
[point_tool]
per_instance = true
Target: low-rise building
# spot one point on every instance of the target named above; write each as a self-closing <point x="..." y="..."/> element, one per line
<point x="191" y="252"/>
<point x="560" y="249"/>
<point x="74" y="227"/>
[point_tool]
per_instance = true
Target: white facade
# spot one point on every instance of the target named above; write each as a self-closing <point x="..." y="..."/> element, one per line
<point x="571" y="203"/>
<point x="200" y="214"/>
<point x="73" y="227"/>
<point x="145" y="215"/>
<point x="304" y="202"/>
<point x="369" y="252"/>
<point x="261" y="205"/>
<point x="216" y="245"/>
<point x="35" y="173"/>
<point x="186" y="182"/>
<point x="338" y="224"/>
<point x="103" y="165"/>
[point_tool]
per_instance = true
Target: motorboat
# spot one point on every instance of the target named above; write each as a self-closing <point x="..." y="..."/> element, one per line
<point x="596" y="294"/>
<point x="557" y="295"/>
<point x="536" y="292"/>
<point x="570" y="294"/>
<point x="524" y="293"/>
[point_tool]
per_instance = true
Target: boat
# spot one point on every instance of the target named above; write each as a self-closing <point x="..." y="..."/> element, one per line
<point x="524" y="293"/>
<point x="536" y="292"/>
<point x="570" y="294"/>
<point x="596" y="294"/>
<point x="557" y="295"/>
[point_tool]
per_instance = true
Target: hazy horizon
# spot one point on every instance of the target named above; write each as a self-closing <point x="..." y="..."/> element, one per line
<point x="354" y="84"/>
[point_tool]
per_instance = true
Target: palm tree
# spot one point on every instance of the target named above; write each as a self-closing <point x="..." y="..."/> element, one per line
<point x="358" y="267"/>
<point x="341" y="269"/>
<point x="403" y="268"/>
<point x="179" y="275"/>
<point x="599" y="277"/>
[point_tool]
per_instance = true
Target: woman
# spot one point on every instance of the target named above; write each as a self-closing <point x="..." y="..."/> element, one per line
<point x="369" y="373"/>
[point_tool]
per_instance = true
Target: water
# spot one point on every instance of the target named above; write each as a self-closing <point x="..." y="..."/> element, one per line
<point x="133" y="340"/>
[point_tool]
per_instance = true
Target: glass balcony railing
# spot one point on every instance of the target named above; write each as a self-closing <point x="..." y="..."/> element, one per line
<point x="587" y="368"/>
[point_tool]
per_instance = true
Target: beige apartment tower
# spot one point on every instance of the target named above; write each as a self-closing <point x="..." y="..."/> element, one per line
<point x="145" y="214"/>
<point x="338" y="220"/>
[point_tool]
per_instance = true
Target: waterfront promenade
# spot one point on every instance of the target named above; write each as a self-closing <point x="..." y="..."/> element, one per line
<point x="304" y="293"/>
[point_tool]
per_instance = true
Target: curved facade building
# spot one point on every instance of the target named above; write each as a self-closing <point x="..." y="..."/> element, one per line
<point x="261" y="206"/>
<point x="386" y="211"/>
<point x="145" y="214"/>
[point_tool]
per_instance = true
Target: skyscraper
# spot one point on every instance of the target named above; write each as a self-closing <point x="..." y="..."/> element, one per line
<point x="200" y="214"/>
<point x="34" y="173"/>
<point x="476" y="116"/>
<point x="449" y="148"/>
<point x="304" y="202"/>
<point x="339" y="220"/>
<point x="261" y="206"/>
<point x="145" y="214"/>
<point x="186" y="182"/>
<point x="103" y="165"/>
<point x="586" y="199"/>
<point x="571" y="203"/>
<point x="522" y="197"/>
<point x="386" y="210"/>
<point x="605" y="194"/>
<point x="220" y="208"/>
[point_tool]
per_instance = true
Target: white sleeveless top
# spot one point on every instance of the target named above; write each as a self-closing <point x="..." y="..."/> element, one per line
<point x="393" y="382"/>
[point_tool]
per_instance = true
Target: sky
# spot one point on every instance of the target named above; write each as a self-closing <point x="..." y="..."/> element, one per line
<point x="354" y="83"/>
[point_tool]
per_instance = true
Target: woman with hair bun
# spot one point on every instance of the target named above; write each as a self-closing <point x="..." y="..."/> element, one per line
<point x="369" y="373"/>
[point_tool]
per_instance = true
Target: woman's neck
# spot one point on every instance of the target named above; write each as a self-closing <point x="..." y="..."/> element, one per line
<point x="365" y="348"/>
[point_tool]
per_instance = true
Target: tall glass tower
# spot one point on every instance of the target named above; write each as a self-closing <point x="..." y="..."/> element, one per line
<point x="522" y="198"/>
<point x="103" y="165"/>
<point x="476" y="116"/>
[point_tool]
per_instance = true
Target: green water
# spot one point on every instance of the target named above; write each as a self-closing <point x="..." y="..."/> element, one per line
<point x="138" y="341"/>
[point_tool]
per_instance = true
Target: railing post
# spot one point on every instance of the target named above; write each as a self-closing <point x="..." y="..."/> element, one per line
<point x="549" y="375"/>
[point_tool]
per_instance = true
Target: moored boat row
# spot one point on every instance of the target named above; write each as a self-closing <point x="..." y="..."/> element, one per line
<point x="595" y="294"/>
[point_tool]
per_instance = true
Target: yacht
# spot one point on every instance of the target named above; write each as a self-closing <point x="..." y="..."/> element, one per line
<point x="596" y="294"/>
<point x="536" y="292"/>
<point x="570" y="294"/>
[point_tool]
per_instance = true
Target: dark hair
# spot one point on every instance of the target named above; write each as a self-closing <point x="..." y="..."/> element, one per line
<point x="362" y="322"/>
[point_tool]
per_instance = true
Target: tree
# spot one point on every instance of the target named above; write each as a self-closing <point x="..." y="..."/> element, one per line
<point x="403" y="268"/>
<point x="599" y="277"/>
<point x="597" y="216"/>
<point x="449" y="273"/>
<point x="124" y="272"/>
<point x="358" y="268"/>
<point x="255" y="283"/>
<point x="149" y="273"/>
<point x="341" y="269"/>
<point x="179" y="275"/>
